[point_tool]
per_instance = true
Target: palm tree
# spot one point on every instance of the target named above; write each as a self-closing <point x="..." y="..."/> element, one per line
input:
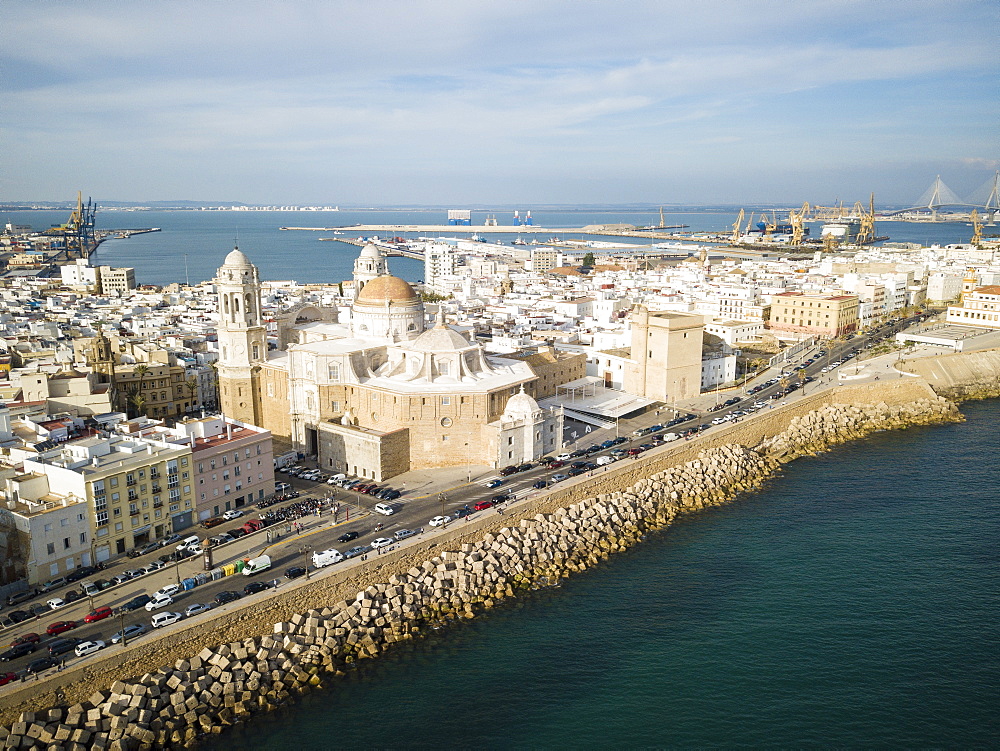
<point x="135" y="395"/>
<point x="192" y="387"/>
<point x="215" y="385"/>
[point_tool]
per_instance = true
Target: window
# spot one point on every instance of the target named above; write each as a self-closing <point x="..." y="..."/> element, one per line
<point x="333" y="372"/>
<point x="445" y="400"/>
<point x="50" y="548"/>
<point x="66" y="543"/>
<point x="102" y="518"/>
<point x="48" y="527"/>
<point x="83" y="538"/>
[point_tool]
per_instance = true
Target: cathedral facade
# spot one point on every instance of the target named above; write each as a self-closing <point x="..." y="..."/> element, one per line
<point x="382" y="393"/>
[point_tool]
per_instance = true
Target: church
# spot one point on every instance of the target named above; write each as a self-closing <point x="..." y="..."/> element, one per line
<point x="383" y="393"/>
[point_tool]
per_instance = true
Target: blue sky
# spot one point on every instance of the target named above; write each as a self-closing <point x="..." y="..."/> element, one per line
<point x="372" y="102"/>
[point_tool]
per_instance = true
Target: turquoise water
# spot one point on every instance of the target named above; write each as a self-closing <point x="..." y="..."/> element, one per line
<point x="852" y="603"/>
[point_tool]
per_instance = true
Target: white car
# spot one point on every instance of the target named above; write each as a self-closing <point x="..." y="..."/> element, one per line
<point x="165" y="619"/>
<point x="438" y="521"/>
<point x="168" y="591"/>
<point x="159" y="601"/>
<point x="232" y="514"/>
<point x="55" y="603"/>
<point x="154" y="566"/>
<point x="382" y="542"/>
<point x="564" y="457"/>
<point x="89" y="647"/>
<point x="384" y="508"/>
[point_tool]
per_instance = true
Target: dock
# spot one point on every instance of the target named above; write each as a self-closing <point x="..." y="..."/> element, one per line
<point x="427" y="229"/>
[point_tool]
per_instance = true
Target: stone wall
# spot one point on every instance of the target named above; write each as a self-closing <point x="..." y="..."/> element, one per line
<point x="317" y="631"/>
<point x="959" y="376"/>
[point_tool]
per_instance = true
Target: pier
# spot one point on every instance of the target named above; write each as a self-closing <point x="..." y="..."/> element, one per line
<point x="612" y="230"/>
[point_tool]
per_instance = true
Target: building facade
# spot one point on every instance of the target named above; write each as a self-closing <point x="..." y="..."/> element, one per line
<point x="825" y="316"/>
<point x="665" y="355"/>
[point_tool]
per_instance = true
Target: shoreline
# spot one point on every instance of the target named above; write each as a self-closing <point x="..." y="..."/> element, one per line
<point x="649" y="495"/>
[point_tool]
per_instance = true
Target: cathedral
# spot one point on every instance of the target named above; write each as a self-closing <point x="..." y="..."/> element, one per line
<point x="382" y="393"/>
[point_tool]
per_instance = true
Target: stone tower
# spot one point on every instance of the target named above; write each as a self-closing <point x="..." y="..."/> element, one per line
<point x="242" y="338"/>
<point x="369" y="265"/>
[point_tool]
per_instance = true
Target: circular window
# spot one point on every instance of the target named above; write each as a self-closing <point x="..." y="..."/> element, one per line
<point x="445" y="422"/>
<point x="374" y="416"/>
<point x="243" y="405"/>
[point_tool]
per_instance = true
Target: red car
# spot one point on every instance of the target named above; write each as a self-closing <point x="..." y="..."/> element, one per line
<point x="26" y="639"/>
<point x="98" y="614"/>
<point x="59" y="626"/>
<point x="6" y="678"/>
<point x="482" y="505"/>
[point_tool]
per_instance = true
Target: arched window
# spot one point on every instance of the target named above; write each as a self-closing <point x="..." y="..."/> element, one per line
<point x="225" y="304"/>
<point x="249" y="307"/>
<point x="256" y="351"/>
<point x="236" y="303"/>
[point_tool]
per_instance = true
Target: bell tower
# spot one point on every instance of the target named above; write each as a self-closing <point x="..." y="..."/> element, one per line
<point x="242" y="338"/>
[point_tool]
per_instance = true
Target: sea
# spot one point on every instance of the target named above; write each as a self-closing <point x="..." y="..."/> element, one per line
<point x="852" y="602"/>
<point x="191" y="245"/>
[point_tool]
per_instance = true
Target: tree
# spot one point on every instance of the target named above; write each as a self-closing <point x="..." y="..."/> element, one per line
<point x="588" y="260"/>
<point x="192" y="386"/>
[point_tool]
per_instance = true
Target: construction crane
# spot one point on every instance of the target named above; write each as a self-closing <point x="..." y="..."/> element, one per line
<point x="977" y="229"/>
<point x="737" y="226"/>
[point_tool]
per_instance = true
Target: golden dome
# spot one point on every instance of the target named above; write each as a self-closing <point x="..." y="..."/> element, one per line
<point x="384" y="289"/>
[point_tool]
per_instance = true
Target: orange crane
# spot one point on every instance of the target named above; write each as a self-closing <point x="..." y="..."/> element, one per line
<point x="737" y="226"/>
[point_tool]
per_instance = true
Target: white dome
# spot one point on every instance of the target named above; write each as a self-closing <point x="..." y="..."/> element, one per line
<point x="370" y="251"/>
<point x="237" y="257"/>
<point x="521" y="405"/>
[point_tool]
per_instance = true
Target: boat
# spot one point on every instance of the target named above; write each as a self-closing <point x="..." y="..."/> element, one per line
<point x="518" y="241"/>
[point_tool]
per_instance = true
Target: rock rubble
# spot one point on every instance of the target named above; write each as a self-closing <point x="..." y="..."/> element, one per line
<point x="220" y="686"/>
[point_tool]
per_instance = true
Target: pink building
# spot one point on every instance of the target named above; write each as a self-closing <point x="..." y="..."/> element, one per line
<point x="233" y="464"/>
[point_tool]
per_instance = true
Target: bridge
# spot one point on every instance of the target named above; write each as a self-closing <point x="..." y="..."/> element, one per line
<point x="939" y="196"/>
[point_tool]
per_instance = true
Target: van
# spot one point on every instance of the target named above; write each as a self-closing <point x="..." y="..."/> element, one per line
<point x="90" y="588"/>
<point x="189" y="542"/>
<point x="323" y="558"/>
<point x="256" y="565"/>
<point x="602" y="460"/>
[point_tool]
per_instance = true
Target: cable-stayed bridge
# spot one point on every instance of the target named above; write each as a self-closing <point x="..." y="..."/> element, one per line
<point x="939" y="196"/>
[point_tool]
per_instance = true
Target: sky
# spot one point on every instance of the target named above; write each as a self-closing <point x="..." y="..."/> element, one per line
<point x="464" y="102"/>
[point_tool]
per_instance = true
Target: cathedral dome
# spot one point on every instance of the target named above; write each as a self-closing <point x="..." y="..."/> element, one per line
<point x="237" y="257"/>
<point x="387" y="289"/>
<point x="370" y="251"/>
<point x="440" y="339"/>
<point x="520" y="405"/>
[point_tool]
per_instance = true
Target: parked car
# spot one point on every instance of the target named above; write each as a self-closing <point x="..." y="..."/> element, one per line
<point x="80" y="573"/>
<point x="227" y="595"/>
<point x="6" y="678"/>
<point x="165" y="619"/>
<point x="356" y="551"/>
<point x="559" y="477"/>
<point x="347" y="537"/>
<point x="54" y="629"/>
<point x="40" y="665"/>
<point x="402" y="534"/>
<point x="135" y="603"/>
<point x="254" y="587"/>
<point x="154" y="566"/>
<point x="62" y="646"/>
<point x="18" y="650"/>
<point x="502" y="498"/>
<point x="129" y="632"/>
<point x="483" y="505"/>
<point x="508" y="470"/>
<point x="98" y="614"/>
<point x="73" y="595"/>
<point x="295" y="572"/>
<point x="439" y="521"/>
<point x="149" y="547"/>
<point x="169" y="540"/>
<point x="539" y="484"/>
<point x="89" y="647"/>
<point x="29" y="638"/>
<point x="19" y="616"/>
<point x="52" y="585"/>
<point x="159" y="601"/>
<point x="55" y="603"/>
<point x="196" y="608"/>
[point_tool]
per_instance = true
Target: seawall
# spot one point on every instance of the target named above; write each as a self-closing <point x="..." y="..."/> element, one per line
<point x="202" y="678"/>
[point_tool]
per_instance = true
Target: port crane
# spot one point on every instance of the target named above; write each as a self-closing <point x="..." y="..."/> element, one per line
<point x="977" y="229"/>
<point x="866" y="232"/>
<point x="78" y="231"/>
<point x="737" y="226"/>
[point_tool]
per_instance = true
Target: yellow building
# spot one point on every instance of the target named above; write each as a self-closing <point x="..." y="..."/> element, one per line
<point x="980" y="308"/>
<point x="825" y="316"/>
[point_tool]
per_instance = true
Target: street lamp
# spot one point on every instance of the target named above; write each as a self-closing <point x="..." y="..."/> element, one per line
<point x="121" y="616"/>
